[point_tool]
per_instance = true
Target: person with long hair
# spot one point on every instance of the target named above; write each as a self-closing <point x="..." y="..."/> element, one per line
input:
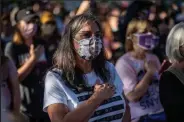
<point x="28" y="54"/>
<point x="138" y="69"/>
<point x="172" y="80"/>
<point x="82" y="86"/>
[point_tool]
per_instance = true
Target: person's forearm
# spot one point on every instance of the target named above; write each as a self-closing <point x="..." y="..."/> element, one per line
<point x="15" y="95"/>
<point x="127" y="115"/>
<point x="83" y="112"/>
<point x="27" y="67"/>
<point x="16" y="101"/>
<point x="83" y="7"/>
<point x="14" y="86"/>
<point x="141" y="88"/>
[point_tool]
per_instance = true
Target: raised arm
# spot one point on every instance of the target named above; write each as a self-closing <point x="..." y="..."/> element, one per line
<point x="27" y="67"/>
<point x="29" y="64"/>
<point x="84" y="6"/>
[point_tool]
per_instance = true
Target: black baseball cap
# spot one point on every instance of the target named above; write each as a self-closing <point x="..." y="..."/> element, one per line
<point x="26" y="15"/>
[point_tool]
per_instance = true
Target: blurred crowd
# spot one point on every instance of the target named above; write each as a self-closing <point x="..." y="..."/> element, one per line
<point x="30" y="34"/>
<point x="114" y="17"/>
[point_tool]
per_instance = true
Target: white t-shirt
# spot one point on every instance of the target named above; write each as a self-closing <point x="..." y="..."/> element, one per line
<point x="111" y="110"/>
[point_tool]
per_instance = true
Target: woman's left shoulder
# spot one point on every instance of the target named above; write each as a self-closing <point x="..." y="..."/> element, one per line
<point x="151" y="55"/>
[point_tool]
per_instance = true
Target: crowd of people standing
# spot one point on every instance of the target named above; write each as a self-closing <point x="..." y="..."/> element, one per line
<point x="110" y="61"/>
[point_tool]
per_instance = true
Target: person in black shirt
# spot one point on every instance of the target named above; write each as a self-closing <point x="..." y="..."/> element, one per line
<point x="28" y="54"/>
<point x="49" y="34"/>
<point x="172" y="80"/>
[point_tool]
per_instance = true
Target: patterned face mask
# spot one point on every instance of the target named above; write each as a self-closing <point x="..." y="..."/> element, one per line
<point x="89" y="48"/>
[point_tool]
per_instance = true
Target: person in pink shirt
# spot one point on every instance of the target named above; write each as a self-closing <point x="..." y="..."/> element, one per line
<point x="138" y="70"/>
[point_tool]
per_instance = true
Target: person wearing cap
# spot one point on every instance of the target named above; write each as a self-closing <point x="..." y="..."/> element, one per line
<point x="49" y="34"/>
<point x="138" y="70"/>
<point x="28" y="54"/>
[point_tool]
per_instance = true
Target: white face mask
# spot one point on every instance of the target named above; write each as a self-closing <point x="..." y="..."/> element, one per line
<point x="89" y="48"/>
<point x="29" y="30"/>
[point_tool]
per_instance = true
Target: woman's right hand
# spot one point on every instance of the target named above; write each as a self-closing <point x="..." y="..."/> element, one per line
<point x="35" y="53"/>
<point x="151" y="67"/>
<point x="103" y="91"/>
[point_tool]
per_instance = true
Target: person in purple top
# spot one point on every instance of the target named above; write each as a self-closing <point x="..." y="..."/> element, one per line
<point x="138" y="70"/>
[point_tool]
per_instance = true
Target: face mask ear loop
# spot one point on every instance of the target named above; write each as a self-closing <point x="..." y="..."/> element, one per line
<point x="76" y="40"/>
<point x="73" y="45"/>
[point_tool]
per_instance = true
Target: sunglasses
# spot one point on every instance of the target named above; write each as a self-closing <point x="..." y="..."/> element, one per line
<point x="88" y="34"/>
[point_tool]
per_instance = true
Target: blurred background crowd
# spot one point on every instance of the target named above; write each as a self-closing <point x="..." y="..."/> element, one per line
<point x="42" y="22"/>
<point x="113" y="15"/>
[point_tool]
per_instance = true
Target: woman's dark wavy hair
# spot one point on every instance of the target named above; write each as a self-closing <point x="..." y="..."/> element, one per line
<point x="64" y="58"/>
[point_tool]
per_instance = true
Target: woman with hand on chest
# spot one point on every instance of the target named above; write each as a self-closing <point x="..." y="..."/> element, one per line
<point x="28" y="54"/>
<point x="82" y="86"/>
<point x="138" y="69"/>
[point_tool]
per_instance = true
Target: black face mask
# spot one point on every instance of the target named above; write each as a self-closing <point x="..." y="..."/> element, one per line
<point x="48" y="29"/>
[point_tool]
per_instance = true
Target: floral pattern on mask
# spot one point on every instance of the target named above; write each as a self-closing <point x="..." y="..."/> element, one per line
<point x="89" y="48"/>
